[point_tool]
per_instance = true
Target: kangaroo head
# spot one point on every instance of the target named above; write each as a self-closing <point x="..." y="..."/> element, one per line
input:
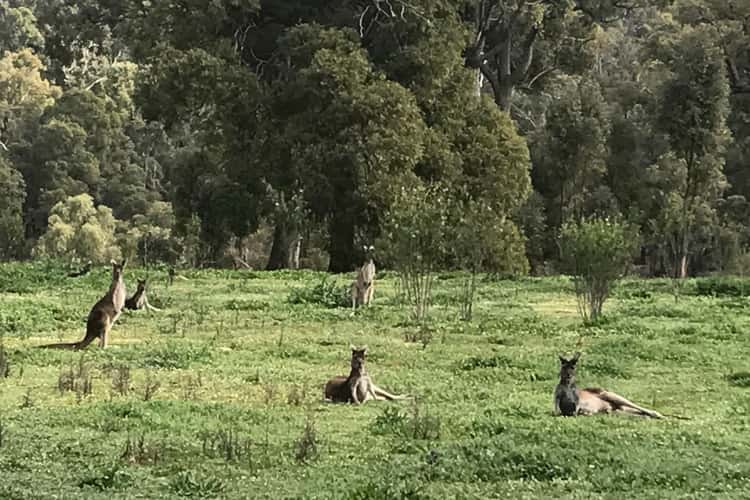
<point x="117" y="268"/>
<point x="358" y="357"/>
<point x="568" y="368"/>
<point x="369" y="251"/>
<point x="141" y="285"/>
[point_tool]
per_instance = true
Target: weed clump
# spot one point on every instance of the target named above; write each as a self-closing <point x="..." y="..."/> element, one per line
<point x="4" y="363"/>
<point x="111" y="477"/>
<point x="306" y="447"/>
<point x="121" y="380"/>
<point x="739" y="379"/>
<point x="150" y="387"/>
<point x="417" y="424"/>
<point x="137" y="451"/>
<point x="189" y="484"/>
<point x="326" y="293"/>
<point x="722" y="286"/>
<point x="76" y="379"/>
<point x="226" y="444"/>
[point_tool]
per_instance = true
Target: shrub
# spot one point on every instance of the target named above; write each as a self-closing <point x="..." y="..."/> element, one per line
<point x="415" y="233"/>
<point x="483" y="240"/>
<point x="306" y="447"/>
<point x="79" y="231"/>
<point x="326" y="292"/>
<point x="596" y="253"/>
<point x="739" y="379"/>
<point x="720" y="286"/>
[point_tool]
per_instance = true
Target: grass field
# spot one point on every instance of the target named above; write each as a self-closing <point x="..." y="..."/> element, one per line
<point x="219" y="395"/>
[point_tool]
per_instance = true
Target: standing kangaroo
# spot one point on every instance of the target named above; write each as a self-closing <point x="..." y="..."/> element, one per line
<point x="139" y="300"/>
<point x="571" y="401"/>
<point x="363" y="287"/>
<point x="357" y="387"/>
<point x="103" y="315"/>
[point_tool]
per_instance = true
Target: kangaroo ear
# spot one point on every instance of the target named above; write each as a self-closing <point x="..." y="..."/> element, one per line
<point x="576" y="356"/>
<point x="124" y="261"/>
<point x="364" y="348"/>
<point x="562" y="360"/>
<point x="351" y="346"/>
<point x="113" y="262"/>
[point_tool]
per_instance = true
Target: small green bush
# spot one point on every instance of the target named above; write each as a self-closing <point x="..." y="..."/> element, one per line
<point x="722" y="286"/>
<point x="326" y="293"/>
<point x="739" y="379"/>
<point x="596" y="253"/>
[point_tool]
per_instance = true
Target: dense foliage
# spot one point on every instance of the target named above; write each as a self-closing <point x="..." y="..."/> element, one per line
<point x="270" y="133"/>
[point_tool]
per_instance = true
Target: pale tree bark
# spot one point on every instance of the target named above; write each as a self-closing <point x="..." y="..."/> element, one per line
<point x="497" y="64"/>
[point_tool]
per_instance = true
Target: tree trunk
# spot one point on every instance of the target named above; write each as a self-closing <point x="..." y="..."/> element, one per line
<point x="683" y="266"/>
<point x="341" y="244"/>
<point x="295" y="248"/>
<point x="279" y="257"/>
<point x="479" y="82"/>
<point x="504" y="95"/>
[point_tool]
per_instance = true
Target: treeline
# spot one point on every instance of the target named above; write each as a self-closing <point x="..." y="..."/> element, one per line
<point x="274" y="132"/>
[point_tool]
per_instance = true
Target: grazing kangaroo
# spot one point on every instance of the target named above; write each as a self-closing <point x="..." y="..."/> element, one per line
<point x="571" y="401"/>
<point x="139" y="300"/>
<point x="363" y="287"/>
<point x="357" y="387"/>
<point x="103" y="315"/>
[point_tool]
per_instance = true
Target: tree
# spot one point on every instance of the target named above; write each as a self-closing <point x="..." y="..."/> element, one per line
<point x="415" y="239"/>
<point x="18" y="28"/>
<point x="596" y="253"/>
<point x="506" y="33"/>
<point x="77" y="230"/>
<point x="149" y="236"/>
<point x="482" y="241"/>
<point x="570" y="157"/>
<point x="210" y="105"/>
<point x="12" y="195"/>
<point x="356" y="136"/>
<point x="694" y="113"/>
<point x="24" y="95"/>
<point x="58" y="166"/>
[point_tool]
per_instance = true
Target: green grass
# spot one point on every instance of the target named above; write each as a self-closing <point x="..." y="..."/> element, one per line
<point x="219" y="395"/>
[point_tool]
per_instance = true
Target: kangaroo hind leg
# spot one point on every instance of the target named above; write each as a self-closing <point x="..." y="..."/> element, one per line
<point x="382" y="394"/>
<point x="627" y="406"/>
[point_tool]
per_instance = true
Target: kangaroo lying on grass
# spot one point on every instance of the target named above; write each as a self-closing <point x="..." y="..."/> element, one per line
<point x="139" y="300"/>
<point x="363" y="287"/>
<point x="103" y="315"/>
<point x="571" y="401"/>
<point x="357" y="387"/>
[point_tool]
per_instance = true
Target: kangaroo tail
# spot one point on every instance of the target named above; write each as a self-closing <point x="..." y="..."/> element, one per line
<point x="678" y="417"/>
<point x="64" y="345"/>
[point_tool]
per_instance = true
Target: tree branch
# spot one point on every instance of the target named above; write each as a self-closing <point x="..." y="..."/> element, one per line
<point x="490" y="76"/>
<point x="735" y="84"/>
<point x="519" y="73"/>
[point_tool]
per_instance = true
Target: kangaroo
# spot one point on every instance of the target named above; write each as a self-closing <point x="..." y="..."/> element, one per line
<point x="571" y="401"/>
<point x="357" y="387"/>
<point x="363" y="287"/>
<point x="139" y="300"/>
<point x="103" y="315"/>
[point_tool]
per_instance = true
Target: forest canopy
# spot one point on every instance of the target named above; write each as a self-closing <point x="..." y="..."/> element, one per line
<point x="280" y="133"/>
